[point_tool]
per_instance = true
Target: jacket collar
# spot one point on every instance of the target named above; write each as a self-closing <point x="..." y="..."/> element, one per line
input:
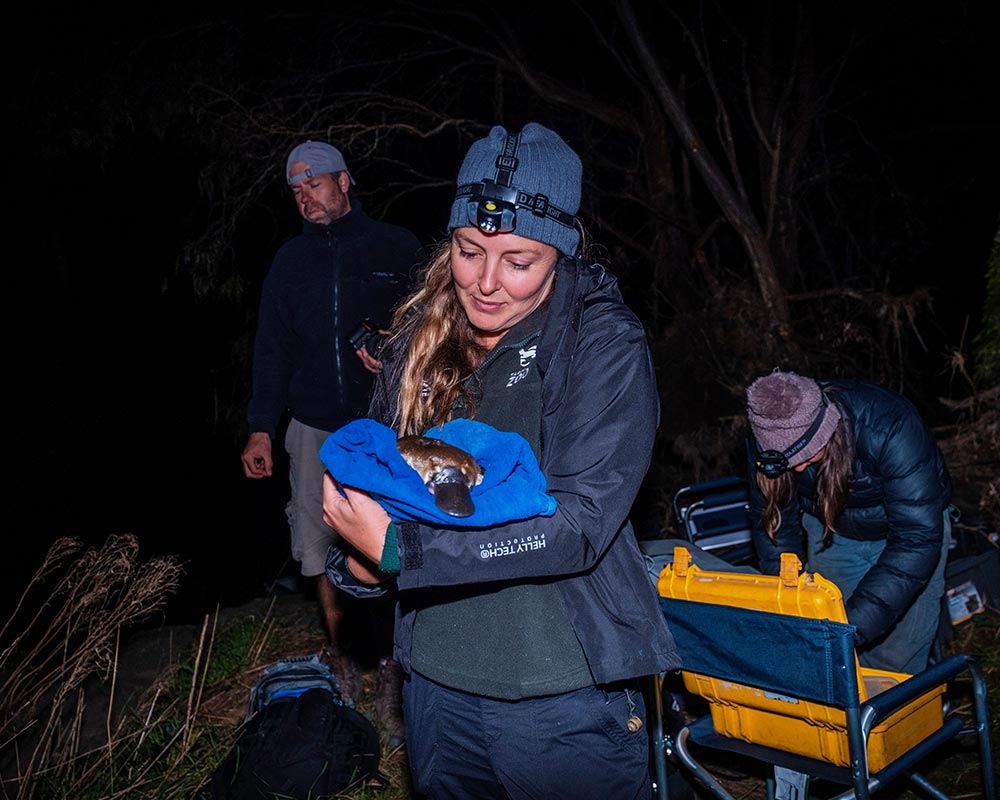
<point x="350" y="225"/>
<point x="575" y="280"/>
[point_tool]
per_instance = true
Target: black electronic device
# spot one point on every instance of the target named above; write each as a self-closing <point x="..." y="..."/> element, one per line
<point x="364" y="335"/>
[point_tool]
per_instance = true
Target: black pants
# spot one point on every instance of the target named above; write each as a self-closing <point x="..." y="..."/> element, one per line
<point x="575" y="745"/>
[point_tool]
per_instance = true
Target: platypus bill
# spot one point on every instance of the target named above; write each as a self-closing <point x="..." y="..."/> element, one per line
<point x="447" y="472"/>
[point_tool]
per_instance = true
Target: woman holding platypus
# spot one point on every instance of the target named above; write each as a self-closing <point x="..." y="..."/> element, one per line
<point x="522" y="642"/>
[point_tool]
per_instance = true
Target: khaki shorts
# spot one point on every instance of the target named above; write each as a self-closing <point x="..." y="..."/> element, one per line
<point x="311" y="537"/>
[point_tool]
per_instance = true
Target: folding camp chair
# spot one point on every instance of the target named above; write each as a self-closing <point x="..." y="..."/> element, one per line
<point x="658" y="553"/>
<point x="775" y="659"/>
<point x="713" y="516"/>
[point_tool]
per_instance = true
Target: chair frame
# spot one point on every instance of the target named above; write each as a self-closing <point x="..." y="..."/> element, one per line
<point x="837" y="687"/>
<point x="717" y="501"/>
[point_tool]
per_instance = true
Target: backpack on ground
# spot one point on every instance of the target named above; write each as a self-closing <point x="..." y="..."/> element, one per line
<point x="300" y="739"/>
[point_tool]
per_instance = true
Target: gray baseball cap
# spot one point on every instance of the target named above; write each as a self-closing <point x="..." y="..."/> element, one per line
<point x="320" y="156"/>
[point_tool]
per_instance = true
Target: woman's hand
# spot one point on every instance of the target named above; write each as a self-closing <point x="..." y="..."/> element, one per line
<point x="359" y="519"/>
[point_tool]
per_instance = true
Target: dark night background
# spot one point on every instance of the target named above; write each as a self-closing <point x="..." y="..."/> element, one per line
<point x="123" y="401"/>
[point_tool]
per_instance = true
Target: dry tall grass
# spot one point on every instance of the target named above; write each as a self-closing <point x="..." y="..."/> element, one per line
<point x="66" y="628"/>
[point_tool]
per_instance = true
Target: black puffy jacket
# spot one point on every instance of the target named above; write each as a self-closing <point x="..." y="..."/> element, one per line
<point x="898" y="492"/>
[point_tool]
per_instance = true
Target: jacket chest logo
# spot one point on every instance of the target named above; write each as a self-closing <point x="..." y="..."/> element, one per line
<point x="525" y="356"/>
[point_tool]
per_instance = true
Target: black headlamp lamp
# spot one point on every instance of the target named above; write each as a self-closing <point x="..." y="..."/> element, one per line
<point x="772" y="463"/>
<point x="492" y="204"/>
<point x="491" y="207"/>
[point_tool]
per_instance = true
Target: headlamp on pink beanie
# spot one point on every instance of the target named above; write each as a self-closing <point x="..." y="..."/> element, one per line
<point x="791" y="420"/>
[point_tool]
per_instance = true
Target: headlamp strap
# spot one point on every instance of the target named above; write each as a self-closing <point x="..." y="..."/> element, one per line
<point x="538" y="204"/>
<point x="498" y="199"/>
<point x="507" y="160"/>
<point x="806" y="437"/>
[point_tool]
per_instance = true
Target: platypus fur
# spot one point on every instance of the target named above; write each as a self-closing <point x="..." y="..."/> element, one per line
<point x="447" y="471"/>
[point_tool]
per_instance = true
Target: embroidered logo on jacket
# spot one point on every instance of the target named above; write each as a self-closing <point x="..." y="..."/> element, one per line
<point x="526" y="355"/>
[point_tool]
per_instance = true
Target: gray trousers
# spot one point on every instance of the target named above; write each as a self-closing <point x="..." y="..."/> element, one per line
<point x="907" y="646"/>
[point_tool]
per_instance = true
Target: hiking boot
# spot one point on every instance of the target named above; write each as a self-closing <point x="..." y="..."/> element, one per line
<point x="347" y="673"/>
<point x="389" y="702"/>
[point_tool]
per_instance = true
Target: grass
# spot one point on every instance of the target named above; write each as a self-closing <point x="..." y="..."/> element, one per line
<point x="64" y="630"/>
<point x="64" y="635"/>
<point x="169" y="743"/>
<point x="203" y="700"/>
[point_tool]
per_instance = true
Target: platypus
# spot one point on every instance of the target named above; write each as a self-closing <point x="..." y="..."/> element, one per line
<point x="447" y="472"/>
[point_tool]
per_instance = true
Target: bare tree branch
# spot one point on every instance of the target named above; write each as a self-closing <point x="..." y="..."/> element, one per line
<point x="736" y="212"/>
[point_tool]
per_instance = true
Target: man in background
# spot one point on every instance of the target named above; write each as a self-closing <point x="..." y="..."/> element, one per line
<point x="344" y="267"/>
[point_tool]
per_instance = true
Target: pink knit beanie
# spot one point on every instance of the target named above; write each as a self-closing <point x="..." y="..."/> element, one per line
<point x="782" y="407"/>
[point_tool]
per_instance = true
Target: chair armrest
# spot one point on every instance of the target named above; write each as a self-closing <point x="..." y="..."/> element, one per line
<point x="885" y="703"/>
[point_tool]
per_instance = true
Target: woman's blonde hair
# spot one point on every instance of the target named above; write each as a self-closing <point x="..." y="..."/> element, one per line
<point x="832" y="475"/>
<point x="441" y="351"/>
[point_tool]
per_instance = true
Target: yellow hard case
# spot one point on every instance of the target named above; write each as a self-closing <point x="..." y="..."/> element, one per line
<point x="768" y="718"/>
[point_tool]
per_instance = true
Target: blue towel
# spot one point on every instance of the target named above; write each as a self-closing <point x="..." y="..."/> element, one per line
<point x="363" y="454"/>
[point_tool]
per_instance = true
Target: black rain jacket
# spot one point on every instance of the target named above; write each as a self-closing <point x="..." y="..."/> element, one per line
<point x="600" y="410"/>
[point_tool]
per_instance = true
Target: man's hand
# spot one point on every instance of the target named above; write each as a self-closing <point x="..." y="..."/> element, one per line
<point x="371" y="363"/>
<point x="257" y="461"/>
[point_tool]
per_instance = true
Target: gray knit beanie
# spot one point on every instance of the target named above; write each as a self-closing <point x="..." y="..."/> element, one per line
<point x="537" y="171"/>
<point x="782" y="407"/>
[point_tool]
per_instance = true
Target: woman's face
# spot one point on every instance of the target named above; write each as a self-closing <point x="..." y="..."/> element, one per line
<point x="809" y="462"/>
<point x="500" y="278"/>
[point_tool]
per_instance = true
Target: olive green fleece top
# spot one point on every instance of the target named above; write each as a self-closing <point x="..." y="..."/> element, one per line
<point x="502" y="640"/>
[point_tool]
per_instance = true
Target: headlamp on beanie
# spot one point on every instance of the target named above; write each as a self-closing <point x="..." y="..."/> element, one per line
<point x="492" y="204"/>
<point x="791" y="420"/>
<point x="772" y="463"/>
<point x="495" y="180"/>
